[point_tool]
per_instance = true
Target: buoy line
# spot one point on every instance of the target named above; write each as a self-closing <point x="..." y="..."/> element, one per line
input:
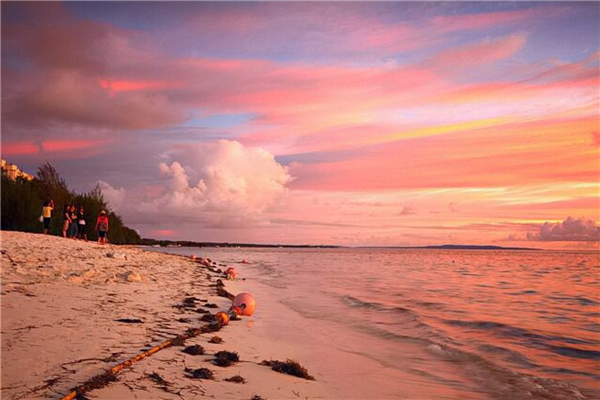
<point x="242" y="304"/>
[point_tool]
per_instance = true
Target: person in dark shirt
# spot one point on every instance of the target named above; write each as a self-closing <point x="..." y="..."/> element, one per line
<point x="73" y="225"/>
<point x="81" y="223"/>
<point x="66" y="219"/>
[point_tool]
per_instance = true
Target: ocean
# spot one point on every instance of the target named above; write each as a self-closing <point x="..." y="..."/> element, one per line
<point x="431" y="324"/>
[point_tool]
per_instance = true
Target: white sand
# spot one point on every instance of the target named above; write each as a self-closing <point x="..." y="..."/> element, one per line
<point x="60" y="299"/>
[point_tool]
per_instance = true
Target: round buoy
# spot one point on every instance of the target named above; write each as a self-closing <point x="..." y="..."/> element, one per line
<point x="223" y="317"/>
<point x="193" y="257"/>
<point x="246" y="302"/>
<point x="231" y="273"/>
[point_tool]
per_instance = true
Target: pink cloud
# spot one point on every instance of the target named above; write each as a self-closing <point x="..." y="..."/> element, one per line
<point x="478" y="54"/>
<point x="164" y="232"/>
<point x="450" y="23"/>
<point x="571" y="229"/>
<point x="71" y="145"/>
<point x="19" y="149"/>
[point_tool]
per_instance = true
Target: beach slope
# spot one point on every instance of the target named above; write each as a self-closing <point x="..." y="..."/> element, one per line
<point x="71" y="310"/>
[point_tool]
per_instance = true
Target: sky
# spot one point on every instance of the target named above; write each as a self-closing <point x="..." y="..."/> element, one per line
<point x="341" y="123"/>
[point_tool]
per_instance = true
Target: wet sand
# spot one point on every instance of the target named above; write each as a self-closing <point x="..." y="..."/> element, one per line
<point x="71" y="310"/>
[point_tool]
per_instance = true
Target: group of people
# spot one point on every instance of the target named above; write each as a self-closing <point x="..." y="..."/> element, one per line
<point x="74" y="223"/>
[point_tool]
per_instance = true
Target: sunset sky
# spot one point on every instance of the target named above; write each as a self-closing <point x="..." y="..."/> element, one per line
<point x="313" y="122"/>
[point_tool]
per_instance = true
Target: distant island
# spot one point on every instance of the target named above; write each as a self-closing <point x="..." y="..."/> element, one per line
<point x="461" y="247"/>
<point x="187" y="243"/>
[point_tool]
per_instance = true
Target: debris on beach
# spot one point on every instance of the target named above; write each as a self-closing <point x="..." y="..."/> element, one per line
<point x="257" y="397"/>
<point x="235" y="379"/>
<point x="202" y="311"/>
<point x="211" y="305"/>
<point x="195" y="350"/>
<point x="215" y="340"/>
<point x="97" y="382"/>
<point x="290" y="367"/>
<point x="120" y="256"/>
<point x="224" y="293"/>
<point x="184" y="320"/>
<point x="225" y="358"/>
<point x="190" y="300"/>
<point x="208" y="318"/>
<point x="130" y="320"/>
<point x="200" y="373"/>
<point x="155" y="377"/>
<point x="178" y="341"/>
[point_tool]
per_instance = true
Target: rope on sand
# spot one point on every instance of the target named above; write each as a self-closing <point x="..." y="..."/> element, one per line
<point x="109" y="375"/>
<point x="243" y="304"/>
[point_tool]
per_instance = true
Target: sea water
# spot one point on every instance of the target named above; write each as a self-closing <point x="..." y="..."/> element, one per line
<point x="432" y="324"/>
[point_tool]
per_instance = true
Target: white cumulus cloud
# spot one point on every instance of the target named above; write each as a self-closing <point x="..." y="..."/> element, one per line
<point x="224" y="179"/>
<point x="114" y="197"/>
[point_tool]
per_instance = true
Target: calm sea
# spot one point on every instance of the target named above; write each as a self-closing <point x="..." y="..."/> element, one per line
<point x="432" y="324"/>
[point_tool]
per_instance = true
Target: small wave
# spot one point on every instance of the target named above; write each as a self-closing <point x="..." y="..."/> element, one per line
<point x="531" y="339"/>
<point x="355" y="302"/>
<point x="505" y="383"/>
<point x="513" y="331"/>
<point x="575" y="352"/>
<point x="508" y="355"/>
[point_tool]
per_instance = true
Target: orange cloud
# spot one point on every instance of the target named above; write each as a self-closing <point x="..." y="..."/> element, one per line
<point x="71" y="145"/>
<point x="117" y="86"/>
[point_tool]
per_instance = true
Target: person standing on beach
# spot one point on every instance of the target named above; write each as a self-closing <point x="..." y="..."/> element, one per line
<point x="47" y="214"/>
<point x="102" y="227"/>
<point x="66" y="219"/>
<point x="73" y="227"/>
<point x="81" y="223"/>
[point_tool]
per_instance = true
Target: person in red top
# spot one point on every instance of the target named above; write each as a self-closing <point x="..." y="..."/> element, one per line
<point x="102" y="227"/>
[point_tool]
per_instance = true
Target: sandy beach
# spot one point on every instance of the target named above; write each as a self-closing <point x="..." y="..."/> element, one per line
<point x="73" y="309"/>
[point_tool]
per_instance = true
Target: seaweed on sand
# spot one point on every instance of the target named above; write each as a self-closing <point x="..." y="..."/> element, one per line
<point x="225" y="358"/>
<point x="211" y="305"/>
<point x="257" y="397"/>
<point x="215" y="340"/>
<point x="179" y="341"/>
<point x="290" y="367"/>
<point x="200" y="373"/>
<point x="208" y="318"/>
<point x="236" y="379"/>
<point x="195" y="350"/>
<point x="224" y="293"/>
<point x="190" y="300"/>
<point x="155" y="377"/>
<point x="130" y="320"/>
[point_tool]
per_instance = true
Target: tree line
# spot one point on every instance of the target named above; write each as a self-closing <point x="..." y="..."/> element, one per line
<point x="22" y="201"/>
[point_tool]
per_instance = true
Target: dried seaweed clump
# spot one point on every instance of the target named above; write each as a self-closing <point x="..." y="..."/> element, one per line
<point x="208" y="318"/>
<point x="200" y="373"/>
<point x="226" y="358"/>
<point x="257" y="397"/>
<point x="236" y="379"/>
<point x="195" y="350"/>
<point x="215" y="340"/>
<point x="155" y="377"/>
<point x="290" y="367"/>
<point x="211" y="305"/>
<point x="178" y="341"/>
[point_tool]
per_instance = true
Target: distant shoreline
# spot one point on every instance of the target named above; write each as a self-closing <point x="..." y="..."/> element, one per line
<point x="185" y="243"/>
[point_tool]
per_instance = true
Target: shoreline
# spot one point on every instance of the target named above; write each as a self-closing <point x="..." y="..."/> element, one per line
<point x="64" y="307"/>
